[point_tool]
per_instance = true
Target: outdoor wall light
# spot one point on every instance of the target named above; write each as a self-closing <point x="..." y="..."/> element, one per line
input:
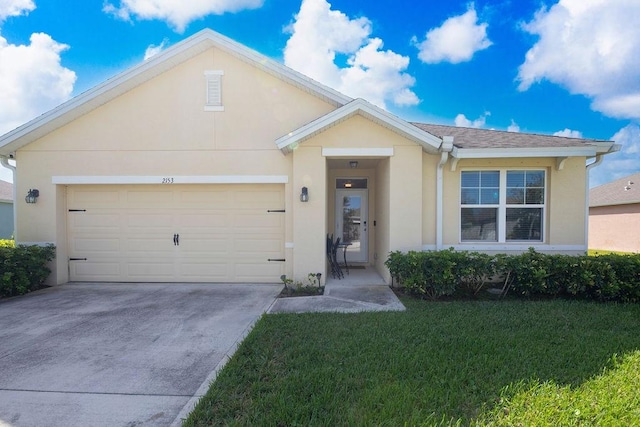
<point x="353" y="164"/>
<point x="304" y="196"/>
<point x="32" y="196"/>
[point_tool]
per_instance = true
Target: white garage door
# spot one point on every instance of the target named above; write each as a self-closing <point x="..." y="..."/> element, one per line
<point x="176" y="233"/>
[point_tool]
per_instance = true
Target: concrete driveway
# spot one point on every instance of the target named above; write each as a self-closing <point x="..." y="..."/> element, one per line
<point x="118" y="354"/>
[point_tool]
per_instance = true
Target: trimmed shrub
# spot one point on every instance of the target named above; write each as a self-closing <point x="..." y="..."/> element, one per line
<point x="530" y="274"/>
<point x="23" y="268"/>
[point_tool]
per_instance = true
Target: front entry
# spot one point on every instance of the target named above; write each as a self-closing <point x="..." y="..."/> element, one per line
<point x="352" y="222"/>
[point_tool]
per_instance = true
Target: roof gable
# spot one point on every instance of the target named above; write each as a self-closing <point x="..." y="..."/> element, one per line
<point x="622" y="191"/>
<point x="429" y="142"/>
<point x="135" y="76"/>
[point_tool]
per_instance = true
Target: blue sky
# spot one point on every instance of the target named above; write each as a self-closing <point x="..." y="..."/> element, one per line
<point x="570" y="68"/>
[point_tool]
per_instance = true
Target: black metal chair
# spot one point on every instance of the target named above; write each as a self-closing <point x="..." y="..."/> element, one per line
<point x="332" y="250"/>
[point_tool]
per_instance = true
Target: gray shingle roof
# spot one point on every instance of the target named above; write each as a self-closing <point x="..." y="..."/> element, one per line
<point x="618" y="192"/>
<point x="485" y="138"/>
<point x="6" y="190"/>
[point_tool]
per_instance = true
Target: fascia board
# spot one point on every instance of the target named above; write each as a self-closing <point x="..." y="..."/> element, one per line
<point x="493" y="153"/>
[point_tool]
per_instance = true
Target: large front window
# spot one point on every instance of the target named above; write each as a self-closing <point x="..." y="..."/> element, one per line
<point x="502" y="205"/>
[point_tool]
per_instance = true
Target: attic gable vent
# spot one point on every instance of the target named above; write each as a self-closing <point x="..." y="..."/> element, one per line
<point x="214" y="90"/>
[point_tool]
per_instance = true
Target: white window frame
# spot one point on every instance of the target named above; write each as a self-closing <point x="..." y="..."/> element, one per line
<point x="502" y="207"/>
<point x="213" y="90"/>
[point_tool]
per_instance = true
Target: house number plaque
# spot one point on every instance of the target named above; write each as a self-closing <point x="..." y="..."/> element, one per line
<point x="167" y="180"/>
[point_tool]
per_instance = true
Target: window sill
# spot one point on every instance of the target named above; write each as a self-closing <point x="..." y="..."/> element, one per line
<point x="213" y="108"/>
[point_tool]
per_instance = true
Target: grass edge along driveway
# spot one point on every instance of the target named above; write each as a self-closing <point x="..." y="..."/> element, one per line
<point x="445" y="363"/>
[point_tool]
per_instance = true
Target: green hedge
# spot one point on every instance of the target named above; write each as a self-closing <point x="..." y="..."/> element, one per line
<point x="436" y="274"/>
<point x="23" y="268"/>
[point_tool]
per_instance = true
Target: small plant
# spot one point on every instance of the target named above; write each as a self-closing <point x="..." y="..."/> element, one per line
<point x="314" y="279"/>
<point x="296" y="288"/>
<point x="286" y="281"/>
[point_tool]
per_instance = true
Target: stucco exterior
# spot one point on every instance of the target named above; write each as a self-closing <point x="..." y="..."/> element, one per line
<point x="278" y="127"/>
<point x="615" y="228"/>
<point x="614" y="215"/>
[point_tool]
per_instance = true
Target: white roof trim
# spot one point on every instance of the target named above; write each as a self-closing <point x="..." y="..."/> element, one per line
<point x="133" y="77"/>
<point x="486" y="153"/>
<point x="170" y="180"/>
<point x="429" y="142"/>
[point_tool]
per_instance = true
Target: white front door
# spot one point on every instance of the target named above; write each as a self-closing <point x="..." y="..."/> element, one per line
<point x="352" y="223"/>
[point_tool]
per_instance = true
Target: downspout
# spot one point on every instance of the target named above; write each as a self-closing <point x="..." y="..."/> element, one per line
<point x="4" y="161"/>
<point x="445" y="148"/>
<point x="599" y="158"/>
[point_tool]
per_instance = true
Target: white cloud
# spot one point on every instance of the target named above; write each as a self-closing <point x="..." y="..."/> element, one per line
<point x="568" y="133"/>
<point x="456" y="40"/>
<point x="177" y="13"/>
<point x="513" y="127"/>
<point x="590" y="47"/>
<point x="624" y="162"/>
<point x="153" y="50"/>
<point x="32" y="79"/>
<point x="15" y="8"/>
<point x="319" y="34"/>
<point x="462" y="121"/>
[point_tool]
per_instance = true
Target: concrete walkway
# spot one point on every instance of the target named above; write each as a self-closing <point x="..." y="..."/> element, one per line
<point x="360" y="290"/>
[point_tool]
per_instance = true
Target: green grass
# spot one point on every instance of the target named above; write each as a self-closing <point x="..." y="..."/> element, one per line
<point x="445" y="363"/>
<point x="596" y="252"/>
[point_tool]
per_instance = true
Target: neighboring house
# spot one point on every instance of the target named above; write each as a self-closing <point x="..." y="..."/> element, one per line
<point x="210" y="162"/>
<point x="6" y="210"/>
<point x="614" y="215"/>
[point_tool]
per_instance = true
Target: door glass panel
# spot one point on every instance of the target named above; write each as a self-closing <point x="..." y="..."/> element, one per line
<point x="351" y="220"/>
<point x="351" y="223"/>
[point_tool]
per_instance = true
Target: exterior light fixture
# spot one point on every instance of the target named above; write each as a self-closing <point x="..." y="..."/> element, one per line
<point x="32" y="196"/>
<point x="348" y="184"/>
<point x="353" y="164"/>
<point x="304" y="195"/>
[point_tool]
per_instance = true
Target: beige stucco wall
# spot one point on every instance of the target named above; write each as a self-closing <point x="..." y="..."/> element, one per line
<point x="565" y="210"/>
<point x="429" y="198"/>
<point x="161" y="129"/>
<point x="383" y="209"/>
<point x="615" y="228"/>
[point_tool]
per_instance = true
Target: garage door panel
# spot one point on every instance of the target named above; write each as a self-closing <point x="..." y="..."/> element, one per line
<point x="269" y="246"/>
<point x="149" y="199"/>
<point x="82" y="222"/>
<point x="97" y="199"/>
<point x="204" y="270"/>
<point x="259" y="272"/>
<point x="213" y="220"/>
<point x="90" y="270"/>
<point x="96" y="245"/>
<point x="200" y="197"/>
<point x="146" y="270"/>
<point x="141" y="246"/>
<point x="225" y="233"/>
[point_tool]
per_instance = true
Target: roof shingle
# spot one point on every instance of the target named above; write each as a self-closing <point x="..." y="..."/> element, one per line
<point x="623" y="191"/>
<point x="485" y="138"/>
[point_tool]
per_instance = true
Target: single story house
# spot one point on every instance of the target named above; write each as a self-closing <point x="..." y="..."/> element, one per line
<point x="614" y="215"/>
<point x="210" y="162"/>
<point x="6" y="210"/>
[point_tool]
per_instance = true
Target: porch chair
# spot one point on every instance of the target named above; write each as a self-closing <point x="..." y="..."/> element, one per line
<point x="332" y="249"/>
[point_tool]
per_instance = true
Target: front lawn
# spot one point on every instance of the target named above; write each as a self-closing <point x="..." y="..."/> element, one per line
<point x="444" y="363"/>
